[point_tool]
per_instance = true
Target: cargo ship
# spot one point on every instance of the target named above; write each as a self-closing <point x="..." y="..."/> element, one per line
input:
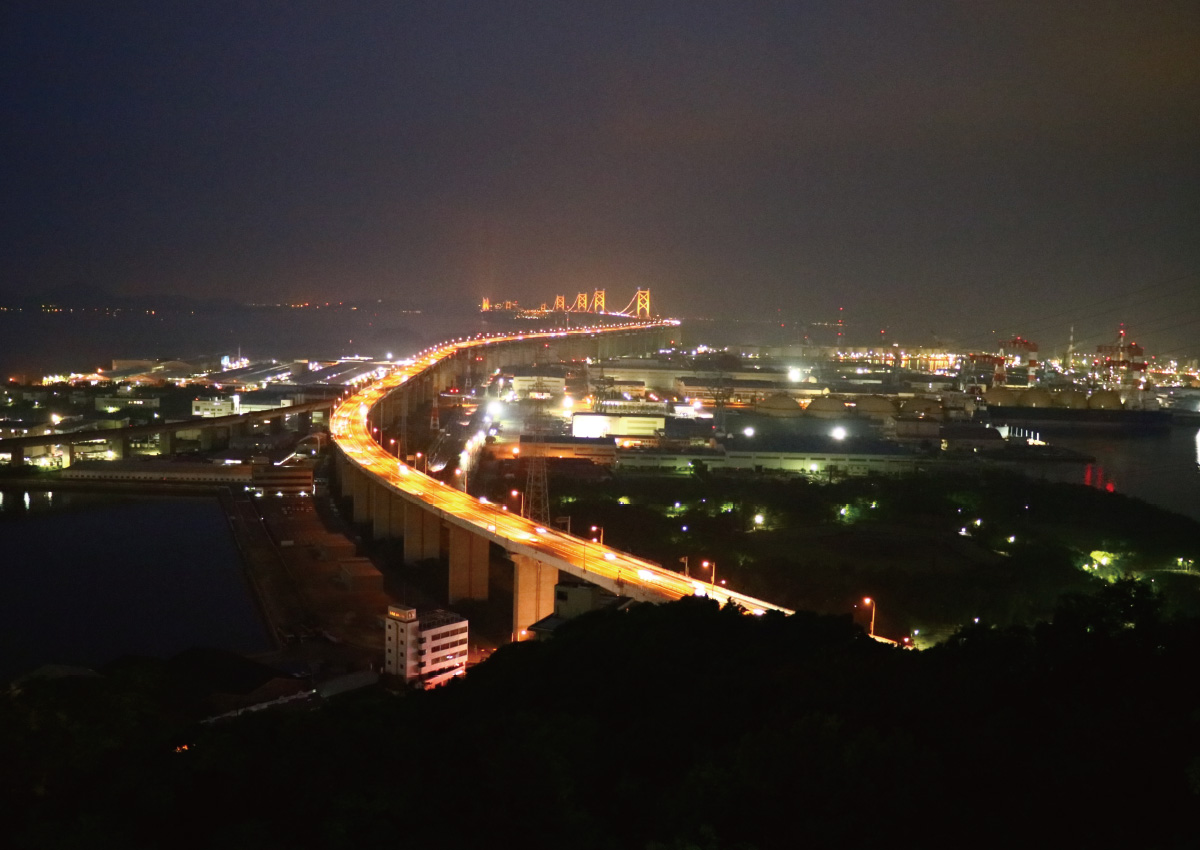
<point x="1071" y="411"/>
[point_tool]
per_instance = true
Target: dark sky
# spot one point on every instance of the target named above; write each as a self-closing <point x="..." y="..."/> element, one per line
<point x="955" y="168"/>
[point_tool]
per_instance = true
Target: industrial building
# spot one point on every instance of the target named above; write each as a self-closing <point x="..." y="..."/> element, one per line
<point x="263" y="477"/>
<point x="573" y="598"/>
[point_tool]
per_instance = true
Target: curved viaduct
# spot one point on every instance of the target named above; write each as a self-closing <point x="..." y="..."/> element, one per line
<point x="435" y="520"/>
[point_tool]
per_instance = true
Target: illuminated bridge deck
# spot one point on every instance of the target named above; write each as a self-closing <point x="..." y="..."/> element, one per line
<point x="642" y="579"/>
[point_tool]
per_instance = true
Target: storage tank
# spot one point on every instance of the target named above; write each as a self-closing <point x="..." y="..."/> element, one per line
<point x="1000" y="397"/>
<point x="826" y="407"/>
<point x="779" y="405"/>
<point x="875" y="407"/>
<point x="1071" y="399"/>
<point x="1036" y="397"/>
<point x="1105" y="400"/>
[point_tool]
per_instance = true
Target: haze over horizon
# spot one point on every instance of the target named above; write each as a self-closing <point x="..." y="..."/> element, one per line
<point x="949" y="169"/>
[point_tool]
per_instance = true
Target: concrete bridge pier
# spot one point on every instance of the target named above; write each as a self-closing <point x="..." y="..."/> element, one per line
<point x="119" y="446"/>
<point x="533" y="593"/>
<point x="304" y="422"/>
<point x="166" y="442"/>
<point x="422" y="533"/>
<point x="362" y="493"/>
<point x="387" y="515"/>
<point x="342" y="474"/>
<point x="469" y="562"/>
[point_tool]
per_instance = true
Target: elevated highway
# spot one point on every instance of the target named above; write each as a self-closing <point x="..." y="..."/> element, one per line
<point x="435" y="519"/>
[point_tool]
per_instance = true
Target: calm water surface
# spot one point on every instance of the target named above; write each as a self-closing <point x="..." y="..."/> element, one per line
<point x="88" y="578"/>
<point x="1162" y="470"/>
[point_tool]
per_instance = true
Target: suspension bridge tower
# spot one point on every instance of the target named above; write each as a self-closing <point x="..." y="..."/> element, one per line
<point x="641" y="308"/>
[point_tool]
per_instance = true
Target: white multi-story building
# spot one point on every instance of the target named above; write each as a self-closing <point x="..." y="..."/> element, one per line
<point x="214" y="407"/>
<point x="235" y="405"/>
<point x="429" y="649"/>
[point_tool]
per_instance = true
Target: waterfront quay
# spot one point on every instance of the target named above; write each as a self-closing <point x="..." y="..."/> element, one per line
<point x="320" y="600"/>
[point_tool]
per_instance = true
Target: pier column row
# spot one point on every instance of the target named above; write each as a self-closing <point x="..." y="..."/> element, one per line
<point x="533" y="593"/>
<point x="387" y="514"/>
<point x="342" y="473"/>
<point x="362" y="493"/>
<point x="119" y="446"/>
<point x="422" y="533"/>
<point x="469" y="555"/>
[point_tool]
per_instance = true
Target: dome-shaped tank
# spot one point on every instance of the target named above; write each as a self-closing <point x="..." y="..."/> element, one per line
<point x="1105" y="400"/>
<point x="875" y="407"/>
<point x="1036" y="397"/>
<point x="780" y="404"/>
<point x="1000" y="397"/>
<point x="1070" y="399"/>
<point x="921" y="408"/>
<point x="826" y="407"/>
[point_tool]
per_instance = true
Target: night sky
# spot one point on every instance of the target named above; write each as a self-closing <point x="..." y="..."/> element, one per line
<point x="948" y="168"/>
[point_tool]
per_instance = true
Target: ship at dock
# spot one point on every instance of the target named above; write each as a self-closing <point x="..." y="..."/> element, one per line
<point x="1072" y="411"/>
<point x="1106" y="394"/>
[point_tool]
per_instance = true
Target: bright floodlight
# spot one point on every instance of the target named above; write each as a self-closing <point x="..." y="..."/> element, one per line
<point x="759" y="519"/>
<point x="838" y="433"/>
<point x="749" y="432"/>
<point x="793" y="374"/>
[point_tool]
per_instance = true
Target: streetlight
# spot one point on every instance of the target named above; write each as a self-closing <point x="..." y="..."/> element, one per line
<point x="712" y="565"/>
<point x="518" y="493"/>
<point x="686" y="572"/>
<point x="869" y="601"/>
<point x="424" y="462"/>
<point x="395" y="450"/>
<point x="594" y="539"/>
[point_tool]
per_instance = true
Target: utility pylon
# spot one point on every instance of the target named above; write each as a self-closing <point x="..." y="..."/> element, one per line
<point x="537" y="489"/>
